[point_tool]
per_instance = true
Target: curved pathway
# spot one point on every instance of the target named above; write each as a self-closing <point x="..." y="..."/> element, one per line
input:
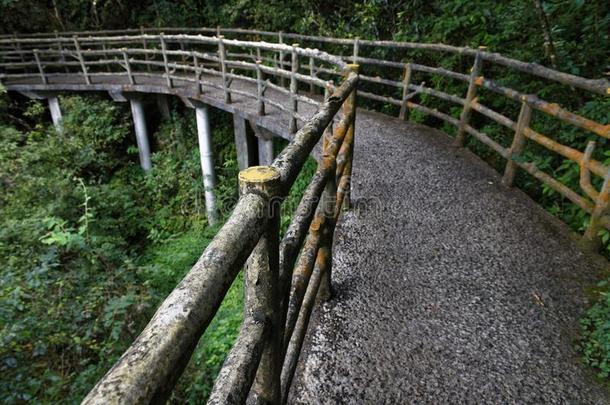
<point x="449" y="287"/>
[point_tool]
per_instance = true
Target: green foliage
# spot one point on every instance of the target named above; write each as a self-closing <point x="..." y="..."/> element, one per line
<point x="595" y="333"/>
<point x="92" y="245"/>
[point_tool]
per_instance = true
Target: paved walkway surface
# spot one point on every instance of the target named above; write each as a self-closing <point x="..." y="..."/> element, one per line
<point x="449" y="288"/>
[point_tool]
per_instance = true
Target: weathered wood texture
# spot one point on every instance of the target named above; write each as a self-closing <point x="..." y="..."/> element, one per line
<point x="280" y="307"/>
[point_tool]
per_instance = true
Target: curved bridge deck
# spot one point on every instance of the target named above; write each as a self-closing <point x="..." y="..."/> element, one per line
<point x="449" y="287"/>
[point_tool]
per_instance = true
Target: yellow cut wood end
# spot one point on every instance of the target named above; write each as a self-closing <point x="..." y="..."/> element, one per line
<point x="259" y="174"/>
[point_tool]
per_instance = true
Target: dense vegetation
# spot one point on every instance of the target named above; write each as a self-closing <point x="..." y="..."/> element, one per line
<point x="91" y="245"/>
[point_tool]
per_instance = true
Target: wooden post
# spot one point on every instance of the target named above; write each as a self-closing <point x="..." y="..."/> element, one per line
<point x="591" y="237"/>
<point x="280" y="38"/>
<point x="262" y="282"/>
<point x="292" y="127"/>
<point x="356" y="50"/>
<point x="312" y="73"/>
<point x="60" y="49"/>
<point x="328" y="132"/>
<point x="40" y="68"/>
<point x="128" y="66"/>
<point x="406" y="80"/>
<point x="81" y="60"/>
<point x="18" y="48"/>
<point x="104" y="49"/>
<point x="328" y="202"/>
<point x="145" y="47"/>
<point x="525" y="116"/>
<point x="350" y="106"/>
<point x="170" y="83"/>
<point x="222" y="55"/>
<point x="183" y="56"/>
<point x="197" y="73"/>
<point x="260" y="91"/>
<point x="470" y="95"/>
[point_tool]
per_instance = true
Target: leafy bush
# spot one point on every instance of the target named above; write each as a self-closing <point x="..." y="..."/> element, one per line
<point x="595" y="333"/>
<point x="92" y="245"/>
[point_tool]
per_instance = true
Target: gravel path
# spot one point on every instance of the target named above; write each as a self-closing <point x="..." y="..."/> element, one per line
<point x="449" y="288"/>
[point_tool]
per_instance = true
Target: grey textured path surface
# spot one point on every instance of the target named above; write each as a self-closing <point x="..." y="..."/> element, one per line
<point x="449" y="288"/>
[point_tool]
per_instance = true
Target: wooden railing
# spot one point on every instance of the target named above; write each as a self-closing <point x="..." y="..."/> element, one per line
<point x="280" y="299"/>
<point x="397" y="75"/>
<point x="280" y="290"/>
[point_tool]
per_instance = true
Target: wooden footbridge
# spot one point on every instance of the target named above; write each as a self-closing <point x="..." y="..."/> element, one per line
<point x="434" y="280"/>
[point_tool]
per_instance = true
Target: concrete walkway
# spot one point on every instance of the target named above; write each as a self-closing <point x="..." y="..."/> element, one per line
<point x="449" y="288"/>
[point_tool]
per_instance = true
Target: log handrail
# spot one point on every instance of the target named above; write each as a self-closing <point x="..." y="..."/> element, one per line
<point x="278" y="308"/>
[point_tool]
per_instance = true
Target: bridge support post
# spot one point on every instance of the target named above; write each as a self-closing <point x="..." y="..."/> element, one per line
<point x="139" y="123"/>
<point x="55" y="111"/>
<point x="265" y="151"/>
<point x="264" y="144"/>
<point x="204" y="135"/>
<point x="470" y="95"/>
<point x="262" y="283"/>
<point x="163" y="105"/>
<point x="243" y="141"/>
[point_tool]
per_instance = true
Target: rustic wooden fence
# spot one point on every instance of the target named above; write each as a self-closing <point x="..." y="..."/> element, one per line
<point x="283" y="276"/>
<point x="397" y="75"/>
<point x="281" y="284"/>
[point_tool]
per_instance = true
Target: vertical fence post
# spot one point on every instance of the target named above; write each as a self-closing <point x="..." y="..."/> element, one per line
<point x="525" y="116"/>
<point x="312" y="74"/>
<point x="18" y="48"/>
<point x="591" y="237"/>
<point x="197" y="73"/>
<point x="292" y="128"/>
<point x="183" y="55"/>
<point x="406" y="80"/>
<point x="60" y="49"/>
<point x="40" y="68"/>
<point x="280" y="39"/>
<point x="145" y="46"/>
<point x="222" y="55"/>
<point x="356" y="50"/>
<point x="328" y="132"/>
<point x="170" y="83"/>
<point x="262" y="282"/>
<point x="328" y="202"/>
<point x="259" y="89"/>
<point x="81" y="60"/>
<point x="470" y="95"/>
<point x="104" y="49"/>
<point x="127" y="66"/>
<point x="349" y="106"/>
